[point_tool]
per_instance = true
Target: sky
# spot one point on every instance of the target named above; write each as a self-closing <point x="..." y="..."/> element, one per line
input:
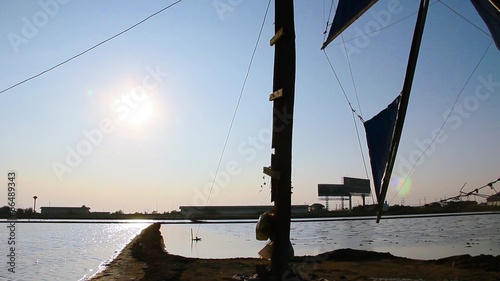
<point x="139" y="123"/>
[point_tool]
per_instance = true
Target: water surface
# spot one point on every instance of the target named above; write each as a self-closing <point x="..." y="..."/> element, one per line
<point x="413" y="237"/>
<point x="64" y="251"/>
<point x="74" y="250"/>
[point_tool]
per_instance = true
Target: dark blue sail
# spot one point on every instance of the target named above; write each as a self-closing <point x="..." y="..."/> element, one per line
<point x="379" y="136"/>
<point x="489" y="10"/>
<point x="347" y="12"/>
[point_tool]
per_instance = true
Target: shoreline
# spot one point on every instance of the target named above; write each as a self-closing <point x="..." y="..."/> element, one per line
<point x="145" y="258"/>
<point x="122" y="265"/>
<point x="246" y="220"/>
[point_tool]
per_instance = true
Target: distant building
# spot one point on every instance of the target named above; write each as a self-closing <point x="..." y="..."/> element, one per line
<point x="493" y="200"/>
<point x="249" y="210"/>
<point x="83" y="210"/>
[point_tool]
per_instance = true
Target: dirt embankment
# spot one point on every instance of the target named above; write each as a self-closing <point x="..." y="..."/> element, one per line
<point x="144" y="258"/>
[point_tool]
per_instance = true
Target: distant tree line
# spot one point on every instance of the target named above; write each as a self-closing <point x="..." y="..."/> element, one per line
<point x="5" y="211"/>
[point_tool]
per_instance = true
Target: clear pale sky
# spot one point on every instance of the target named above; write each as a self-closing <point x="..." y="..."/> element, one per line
<point x="139" y="123"/>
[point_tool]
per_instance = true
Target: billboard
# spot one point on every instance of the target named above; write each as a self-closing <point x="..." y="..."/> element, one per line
<point x="351" y="186"/>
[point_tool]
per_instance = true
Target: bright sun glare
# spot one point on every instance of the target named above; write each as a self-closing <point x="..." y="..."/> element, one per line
<point x="140" y="115"/>
<point x="134" y="109"/>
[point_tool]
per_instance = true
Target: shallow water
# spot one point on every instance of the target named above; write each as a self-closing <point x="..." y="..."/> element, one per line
<point x="418" y="238"/>
<point x="74" y="251"/>
<point x="63" y="251"/>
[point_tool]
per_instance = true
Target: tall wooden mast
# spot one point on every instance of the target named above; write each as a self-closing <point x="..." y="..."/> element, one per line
<point x="281" y="159"/>
<point x="405" y="97"/>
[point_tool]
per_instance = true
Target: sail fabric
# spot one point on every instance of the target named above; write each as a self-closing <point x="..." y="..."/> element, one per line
<point x="489" y="10"/>
<point x="347" y="12"/>
<point x="379" y="136"/>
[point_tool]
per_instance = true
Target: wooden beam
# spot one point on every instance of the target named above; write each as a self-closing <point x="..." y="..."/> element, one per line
<point x="270" y="172"/>
<point x="276" y="37"/>
<point x="276" y="94"/>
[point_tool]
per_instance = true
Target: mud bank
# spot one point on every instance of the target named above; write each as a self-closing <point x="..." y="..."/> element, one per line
<point x="145" y="258"/>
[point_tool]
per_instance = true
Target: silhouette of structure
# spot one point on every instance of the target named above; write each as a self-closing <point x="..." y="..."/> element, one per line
<point x="34" y="203"/>
<point x="83" y="210"/>
<point x="350" y="187"/>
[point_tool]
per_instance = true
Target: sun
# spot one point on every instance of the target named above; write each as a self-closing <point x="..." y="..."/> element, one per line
<point x="135" y="108"/>
<point x="141" y="114"/>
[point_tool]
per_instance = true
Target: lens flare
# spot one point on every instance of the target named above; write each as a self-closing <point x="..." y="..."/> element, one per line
<point x="401" y="185"/>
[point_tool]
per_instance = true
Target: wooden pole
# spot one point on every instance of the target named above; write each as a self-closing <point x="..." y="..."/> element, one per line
<point x="405" y="96"/>
<point x="281" y="160"/>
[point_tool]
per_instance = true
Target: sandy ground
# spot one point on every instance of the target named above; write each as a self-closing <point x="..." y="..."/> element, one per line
<point x="144" y="258"/>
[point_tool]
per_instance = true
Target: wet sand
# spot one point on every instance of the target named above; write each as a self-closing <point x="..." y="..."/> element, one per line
<point x="144" y="258"/>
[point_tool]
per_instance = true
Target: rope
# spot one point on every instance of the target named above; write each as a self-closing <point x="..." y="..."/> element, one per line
<point x="361" y="113"/>
<point x="352" y="76"/>
<point x="342" y="88"/>
<point x="89" y="49"/>
<point x="464" y="18"/>
<point x="476" y="191"/>
<point x="354" y="113"/>
<point x="354" y="85"/>
<point x="362" y="153"/>
<point x="331" y="66"/>
<point x="236" y="109"/>
<point x="327" y="21"/>
<point x="446" y="119"/>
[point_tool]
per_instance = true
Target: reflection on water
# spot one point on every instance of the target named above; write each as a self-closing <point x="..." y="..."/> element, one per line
<point x="217" y="240"/>
<point x="419" y="238"/>
<point x="65" y="251"/>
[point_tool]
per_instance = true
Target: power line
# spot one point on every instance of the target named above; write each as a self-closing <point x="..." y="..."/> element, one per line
<point x="89" y="49"/>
